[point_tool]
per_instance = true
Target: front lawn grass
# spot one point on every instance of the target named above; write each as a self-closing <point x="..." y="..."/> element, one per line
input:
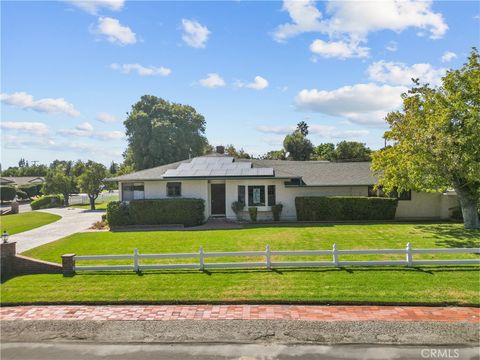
<point x="430" y="285"/>
<point x="98" y="206"/>
<point x="18" y="223"/>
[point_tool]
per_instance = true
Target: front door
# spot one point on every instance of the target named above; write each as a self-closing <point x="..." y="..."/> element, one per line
<point x="218" y="199"/>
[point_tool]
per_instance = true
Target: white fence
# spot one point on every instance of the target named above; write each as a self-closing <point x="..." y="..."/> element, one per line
<point x="82" y="199"/>
<point x="335" y="253"/>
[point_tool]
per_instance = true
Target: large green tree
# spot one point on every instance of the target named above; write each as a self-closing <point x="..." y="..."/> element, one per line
<point x="324" y="152"/>
<point x="297" y="145"/>
<point x="230" y="150"/>
<point x="160" y="132"/>
<point x="91" y="181"/>
<point x="351" y="151"/>
<point x="436" y="140"/>
<point x="60" y="180"/>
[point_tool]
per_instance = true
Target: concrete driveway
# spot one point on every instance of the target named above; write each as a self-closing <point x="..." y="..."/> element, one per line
<point x="73" y="220"/>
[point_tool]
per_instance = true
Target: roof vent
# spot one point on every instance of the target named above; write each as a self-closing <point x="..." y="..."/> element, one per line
<point x="220" y="149"/>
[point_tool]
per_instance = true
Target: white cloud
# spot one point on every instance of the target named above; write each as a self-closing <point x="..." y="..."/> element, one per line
<point x="212" y="80"/>
<point x="35" y="128"/>
<point x="350" y="22"/>
<point x="322" y="131"/>
<point x="47" y="105"/>
<point x="448" y="56"/>
<point x="360" y="103"/>
<point x="105" y="117"/>
<point x="142" y="70"/>
<point x="93" y="6"/>
<point x="305" y="18"/>
<point x="115" y="32"/>
<point x="86" y="126"/>
<point x="397" y="73"/>
<point x="259" y="83"/>
<point x="392" y="46"/>
<point x="338" y="49"/>
<point x="194" y="33"/>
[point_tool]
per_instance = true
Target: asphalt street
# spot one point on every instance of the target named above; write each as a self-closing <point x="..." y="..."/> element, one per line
<point x="92" y="351"/>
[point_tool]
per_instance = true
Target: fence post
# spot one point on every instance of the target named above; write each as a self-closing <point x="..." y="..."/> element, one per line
<point x="136" y="267"/>
<point x="202" y="263"/>
<point x="267" y="254"/>
<point x="335" y="255"/>
<point x="409" y="255"/>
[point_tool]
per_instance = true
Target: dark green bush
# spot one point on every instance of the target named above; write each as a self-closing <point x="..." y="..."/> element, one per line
<point x="253" y="211"/>
<point x="32" y="190"/>
<point x="277" y="210"/>
<point x="47" y="201"/>
<point x="118" y="214"/>
<point x="333" y="208"/>
<point x="22" y="194"/>
<point x="188" y="212"/>
<point x="7" y="193"/>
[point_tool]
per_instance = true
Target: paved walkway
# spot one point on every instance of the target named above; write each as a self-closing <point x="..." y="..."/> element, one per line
<point x="73" y="220"/>
<point x="242" y="312"/>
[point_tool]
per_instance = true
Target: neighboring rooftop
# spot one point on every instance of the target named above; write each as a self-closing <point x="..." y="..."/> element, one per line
<point x="312" y="173"/>
<point x="21" y="180"/>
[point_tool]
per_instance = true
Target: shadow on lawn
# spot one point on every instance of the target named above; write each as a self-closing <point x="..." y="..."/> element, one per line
<point x="448" y="236"/>
<point x="431" y="270"/>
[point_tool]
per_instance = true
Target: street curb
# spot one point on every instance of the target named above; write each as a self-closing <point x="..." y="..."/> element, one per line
<point x="243" y="331"/>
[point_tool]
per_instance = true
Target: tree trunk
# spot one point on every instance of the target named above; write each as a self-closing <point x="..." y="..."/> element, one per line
<point x="468" y="203"/>
<point x="65" y="200"/>
<point x="92" y="203"/>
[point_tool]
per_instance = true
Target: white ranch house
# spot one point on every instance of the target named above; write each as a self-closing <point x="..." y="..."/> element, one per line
<point x="220" y="180"/>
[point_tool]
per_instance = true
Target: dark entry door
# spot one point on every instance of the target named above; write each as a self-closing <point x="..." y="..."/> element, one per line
<point x="218" y="199"/>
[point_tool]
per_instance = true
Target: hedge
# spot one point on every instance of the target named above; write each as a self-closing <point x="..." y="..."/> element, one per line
<point x="47" y="201"/>
<point x="31" y="189"/>
<point x="7" y="193"/>
<point x="21" y="194"/>
<point x="333" y="208"/>
<point x="188" y="212"/>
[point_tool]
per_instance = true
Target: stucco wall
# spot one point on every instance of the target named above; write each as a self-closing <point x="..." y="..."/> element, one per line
<point x="426" y="206"/>
<point x="421" y="206"/>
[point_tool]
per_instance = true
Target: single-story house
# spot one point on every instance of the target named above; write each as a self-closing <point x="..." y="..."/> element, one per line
<point x="220" y="180"/>
<point x="21" y="180"/>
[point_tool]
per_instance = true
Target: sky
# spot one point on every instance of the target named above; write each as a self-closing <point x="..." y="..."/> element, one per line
<point x="71" y="70"/>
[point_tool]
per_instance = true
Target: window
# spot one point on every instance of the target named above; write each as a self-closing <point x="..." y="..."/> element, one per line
<point x="133" y="191"/>
<point x="271" y="195"/>
<point x="241" y="194"/>
<point x="174" y="189"/>
<point x="256" y="195"/>
<point x="405" y="195"/>
<point x="371" y="191"/>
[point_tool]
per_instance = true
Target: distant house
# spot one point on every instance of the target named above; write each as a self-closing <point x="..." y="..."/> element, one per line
<point x="21" y="180"/>
<point x="220" y="180"/>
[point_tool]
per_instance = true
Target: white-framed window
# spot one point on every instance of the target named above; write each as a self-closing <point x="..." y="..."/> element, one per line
<point x="133" y="191"/>
<point x="256" y="195"/>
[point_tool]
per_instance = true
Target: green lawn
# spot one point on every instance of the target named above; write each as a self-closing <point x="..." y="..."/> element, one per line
<point x="26" y="221"/>
<point x="98" y="206"/>
<point x="433" y="284"/>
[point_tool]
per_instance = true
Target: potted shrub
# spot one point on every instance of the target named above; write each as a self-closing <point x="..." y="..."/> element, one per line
<point x="253" y="213"/>
<point x="276" y="210"/>
<point x="238" y="206"/>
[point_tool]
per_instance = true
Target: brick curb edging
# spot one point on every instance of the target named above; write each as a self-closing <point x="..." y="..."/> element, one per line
<point x="242" y="312"/>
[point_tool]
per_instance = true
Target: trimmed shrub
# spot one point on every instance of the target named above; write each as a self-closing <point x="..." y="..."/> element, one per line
<point x="7" y="193"/>
<point x="118" y="214"/>
<point x="32" y="190"/>
<point x="277" y="210"/>
<point x="22" y="194"/>
<point x="47" y="201"/>
<point x="188" y="212"/>
<point x="333" y="208"/>
<point x="237" y="206"/>
<point x="253" y="212"/>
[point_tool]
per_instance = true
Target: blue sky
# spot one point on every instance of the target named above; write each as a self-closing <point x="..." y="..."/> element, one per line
<point x="71" y="70"/>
